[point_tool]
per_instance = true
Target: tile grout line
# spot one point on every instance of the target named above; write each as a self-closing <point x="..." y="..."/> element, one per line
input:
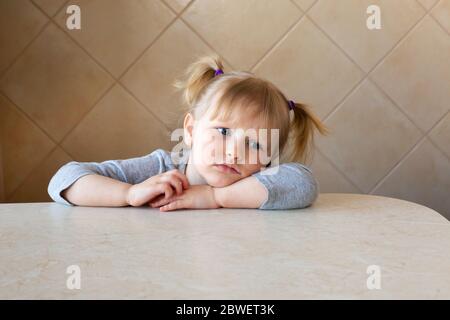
<point x="431" y="139"/>
<point x="57" y="10"/>
<point x="58" y="144"/>
<point x="358" y="84"/>
<point x="205" y="41"/>
<point x="439" y="23"/>
<point x="432" y="16"/>
<point x="408" y="154"/>
<point x="308" y="8"/>
<point x="22" y="52"/>
<point x="84" y="116"/>
<point x="26" y="117"/>
<point x="162" y="32"/>
<point x="50" y="21"/>
<point x="24" y="114"/>
<point x="179" y="16"/>
<point x="339" y="171"/>
<point x="375" y="66"/>
<point x="423" y="132"/>
<point x="367" y="77"/>
<point x="277" y="43"/>
<point x="5" y="71"/>
<point x="367" y="74"/>
<point x="115" y="81"/>
<point x="32" y="171"/>
<point x="283" y="37"/>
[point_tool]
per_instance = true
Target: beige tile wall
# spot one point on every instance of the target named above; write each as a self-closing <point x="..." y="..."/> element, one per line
<point x="2" y="188"/>
<point x="104" y="92"/>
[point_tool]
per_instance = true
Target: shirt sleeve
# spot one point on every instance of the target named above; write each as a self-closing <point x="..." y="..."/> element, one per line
<point x="133" y="171"/>
<point x="289" y="186"/>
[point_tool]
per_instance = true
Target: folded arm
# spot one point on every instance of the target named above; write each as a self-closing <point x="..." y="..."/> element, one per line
<point x="288" y="186"/>
<point x="105" y="183"/>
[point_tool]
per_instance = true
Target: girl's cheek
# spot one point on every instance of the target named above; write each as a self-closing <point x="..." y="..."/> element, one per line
<point x="208" y="153"/>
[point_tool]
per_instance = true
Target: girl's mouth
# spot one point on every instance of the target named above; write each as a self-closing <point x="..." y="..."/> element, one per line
<point x="226" y="169"/>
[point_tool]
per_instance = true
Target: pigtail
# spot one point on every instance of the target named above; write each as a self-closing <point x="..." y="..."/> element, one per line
<point x="198" y="75"/>
<point x="302" y="130"/>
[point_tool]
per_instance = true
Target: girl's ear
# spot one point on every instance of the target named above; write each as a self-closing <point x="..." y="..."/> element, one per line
<point x="188" y="129"/>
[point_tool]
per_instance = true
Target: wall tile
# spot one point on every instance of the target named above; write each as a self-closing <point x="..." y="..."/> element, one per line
<point x="305" y="4"/>
<point x="329" y="178"/>
<point x="442" y="13"/>
<point x="55" y="82"/>
<point x="422" y="178"/>
<point x="118" y="127"/>
<point x="24" y="146"/>
<point x="2" y="180"/>
<point x="151" y="78"/>
<point x="242" y="31"/>
<point x="116" y="34"/>
<point x="34" y="188"/>
<point x="50" y="6"/>
<point x="369" y="136"/>
<point x="440" y="134"/>
<point x="293" y="67"/>
<point x="345" y="22"/>
<point x="177" y="5"/>
<point x="26" y="26"/>
<point x="409" y="74"/>
<point x="428" y="3"/>
<point x="59" y="91"/>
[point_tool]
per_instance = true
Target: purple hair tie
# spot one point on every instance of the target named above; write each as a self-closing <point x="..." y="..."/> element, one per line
<point x="291" y="105"/>
<point x="218" y="71"/>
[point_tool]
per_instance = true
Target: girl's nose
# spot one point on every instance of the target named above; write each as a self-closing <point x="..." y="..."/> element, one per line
<point x="235" y="151"/>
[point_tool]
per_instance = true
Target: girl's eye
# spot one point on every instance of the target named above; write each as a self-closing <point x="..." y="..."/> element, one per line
<point x="224" y="131"/>
<point x="255" y="145"/>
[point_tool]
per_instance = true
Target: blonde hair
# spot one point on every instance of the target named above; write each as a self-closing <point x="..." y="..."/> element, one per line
<point x="239" y="91"/>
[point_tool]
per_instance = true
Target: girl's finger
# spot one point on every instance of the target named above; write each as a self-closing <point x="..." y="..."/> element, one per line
<point x="178" y="204"/>
<point x="182" y="177"/>
<point x="175" y="182"/>
<point x="155" y="204"/>
<point x="156" y="199"/>
<point x="162" y="202"/>
<point x="166" y="189"/>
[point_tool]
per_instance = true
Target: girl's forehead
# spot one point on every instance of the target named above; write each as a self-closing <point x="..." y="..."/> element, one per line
<point x="237" y="118"/>
<point x="242" y="122"/>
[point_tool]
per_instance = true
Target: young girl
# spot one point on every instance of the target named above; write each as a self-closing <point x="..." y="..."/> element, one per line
<point x="221" y="107"/>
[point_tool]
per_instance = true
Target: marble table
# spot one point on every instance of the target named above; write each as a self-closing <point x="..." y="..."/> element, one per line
<point x="345" y="246"/>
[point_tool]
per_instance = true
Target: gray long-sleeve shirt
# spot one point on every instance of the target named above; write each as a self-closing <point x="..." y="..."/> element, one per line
<point x="292" y="185"/>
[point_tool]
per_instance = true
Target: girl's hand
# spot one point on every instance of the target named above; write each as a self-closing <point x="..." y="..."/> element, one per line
<point x="162" y="185"/>
<point x="196" y="197"/>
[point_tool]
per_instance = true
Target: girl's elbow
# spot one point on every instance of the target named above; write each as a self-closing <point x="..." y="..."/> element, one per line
<point x="310" y="195"/>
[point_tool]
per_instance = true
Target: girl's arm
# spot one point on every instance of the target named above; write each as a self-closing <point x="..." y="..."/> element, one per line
<point x="245" y="193"/>
<point x="98" y="191"/>
<point x="105" y="183"/>
<point x="288" y="186"/>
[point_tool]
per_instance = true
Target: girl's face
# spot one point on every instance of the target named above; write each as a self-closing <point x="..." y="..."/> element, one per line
<point x="218" y="146"/>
